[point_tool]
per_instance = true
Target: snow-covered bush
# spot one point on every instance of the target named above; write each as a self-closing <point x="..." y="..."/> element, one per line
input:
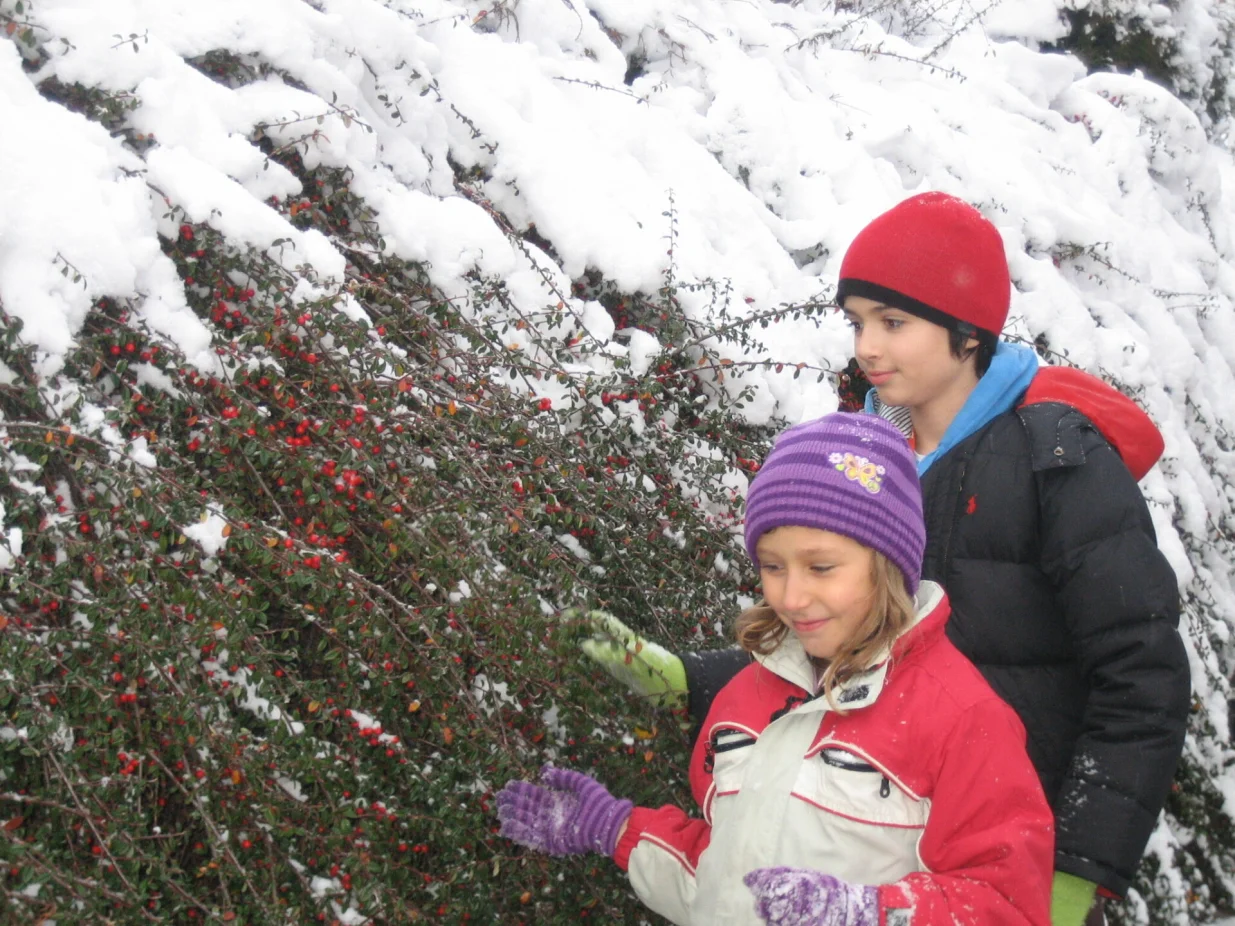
<point x="272" y="634"/>
<point x="1187" y="46"/>
<point x="346" y="341"/>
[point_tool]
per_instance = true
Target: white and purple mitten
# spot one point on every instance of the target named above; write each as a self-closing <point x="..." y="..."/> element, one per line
<point x="568" y="813"/>
<point x="802" y="897"/>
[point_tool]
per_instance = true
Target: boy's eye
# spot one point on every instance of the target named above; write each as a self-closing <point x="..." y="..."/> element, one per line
<point x="893" y="323"/>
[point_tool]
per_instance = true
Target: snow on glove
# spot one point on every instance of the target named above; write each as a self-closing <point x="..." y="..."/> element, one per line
<point x="645" y="668"/>
<point x="568" y="813"/>
<point x="802" y="897"/>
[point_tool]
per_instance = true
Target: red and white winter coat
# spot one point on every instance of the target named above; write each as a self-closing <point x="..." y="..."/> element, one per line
<point x="922" y="786"/>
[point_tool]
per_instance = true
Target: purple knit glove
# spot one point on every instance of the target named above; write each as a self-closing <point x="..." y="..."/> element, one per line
<point x="571" y="814"/>
<point x="801" y="897"/>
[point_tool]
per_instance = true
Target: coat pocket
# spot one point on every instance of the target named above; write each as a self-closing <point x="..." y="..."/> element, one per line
<point x="728" y="753"/>
<point x="847" y="784"/>
<point x="866" y="829"/>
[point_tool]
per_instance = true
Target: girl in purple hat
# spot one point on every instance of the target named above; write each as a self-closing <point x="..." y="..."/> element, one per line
<point x="859" y="771"/>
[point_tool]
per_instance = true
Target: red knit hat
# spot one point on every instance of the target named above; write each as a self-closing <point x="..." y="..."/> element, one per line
<point x="935" y="256"/>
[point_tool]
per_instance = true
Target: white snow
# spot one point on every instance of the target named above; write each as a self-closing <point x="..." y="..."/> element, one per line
<point x="571" y="543"/>
<point x="486" y="691"/>
<point x="753" y="141"/>
<point x="209" y="531"/>
<point x="293" y="788"/>
<point x="10" y="542"/>
<point x="323" y="887"/>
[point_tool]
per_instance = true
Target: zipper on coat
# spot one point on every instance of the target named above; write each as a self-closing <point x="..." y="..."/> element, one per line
<point x="839" y="758"/>
<point x="728" y="740"/>
<point x="945" y="567"/>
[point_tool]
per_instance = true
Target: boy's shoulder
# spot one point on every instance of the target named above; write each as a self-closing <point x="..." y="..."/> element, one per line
<point x="1064" y="410"/>
<point x="1063" y="415"/>
<point x="1057" y="435"/>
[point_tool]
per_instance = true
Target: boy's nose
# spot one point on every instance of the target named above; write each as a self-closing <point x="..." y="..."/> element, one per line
<point x="865" y="344"/>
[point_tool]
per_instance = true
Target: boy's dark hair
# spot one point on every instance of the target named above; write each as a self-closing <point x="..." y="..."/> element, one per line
<point x="982" y="354"/>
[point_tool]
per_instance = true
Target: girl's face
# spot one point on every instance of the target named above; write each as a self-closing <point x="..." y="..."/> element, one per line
<point x="819" y="584"/>
<point x="907" y="358"/>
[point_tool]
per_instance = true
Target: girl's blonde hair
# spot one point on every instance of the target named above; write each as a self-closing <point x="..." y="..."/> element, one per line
<point x="759" y="629"/>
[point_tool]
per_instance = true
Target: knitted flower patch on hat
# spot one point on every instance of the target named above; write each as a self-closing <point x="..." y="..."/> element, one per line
<point x="859" y="469"/>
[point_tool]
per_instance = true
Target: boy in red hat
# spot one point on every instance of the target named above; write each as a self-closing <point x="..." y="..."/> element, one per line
<point x="1035" y="526"/>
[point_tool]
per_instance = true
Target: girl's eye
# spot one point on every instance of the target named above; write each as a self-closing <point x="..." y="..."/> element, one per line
<point x="769" y="567"/>
<point x="820" y="569"/>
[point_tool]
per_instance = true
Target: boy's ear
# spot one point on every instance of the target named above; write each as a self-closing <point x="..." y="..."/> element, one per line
<point x="969" y="333"/>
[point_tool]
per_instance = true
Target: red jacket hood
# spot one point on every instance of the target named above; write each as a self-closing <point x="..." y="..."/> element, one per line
<point x="1120" y="420"/>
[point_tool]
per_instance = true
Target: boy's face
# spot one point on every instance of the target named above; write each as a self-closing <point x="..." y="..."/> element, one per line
<point x="908" y="359"/>
<point x="820" y="585"/>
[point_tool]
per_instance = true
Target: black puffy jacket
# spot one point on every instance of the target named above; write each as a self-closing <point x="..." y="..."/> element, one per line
<point x="1062" y="599"/>
<point x="1064" y="602"/>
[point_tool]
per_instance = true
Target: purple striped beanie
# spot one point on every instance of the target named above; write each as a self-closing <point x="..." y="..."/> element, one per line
<point x="851" y="474"/>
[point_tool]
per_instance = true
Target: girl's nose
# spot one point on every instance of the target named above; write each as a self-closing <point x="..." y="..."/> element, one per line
<point x="796" y="595"/>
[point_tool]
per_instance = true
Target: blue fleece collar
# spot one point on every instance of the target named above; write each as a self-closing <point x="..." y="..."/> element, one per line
<point x="1011" y="371"/>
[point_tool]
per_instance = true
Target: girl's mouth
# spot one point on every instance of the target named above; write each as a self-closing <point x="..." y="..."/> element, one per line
<point x="808" y="626"/>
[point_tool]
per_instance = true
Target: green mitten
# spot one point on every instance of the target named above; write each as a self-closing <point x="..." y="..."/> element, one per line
<point x="648" y="670"/>
<point x="1071" y="898"/>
